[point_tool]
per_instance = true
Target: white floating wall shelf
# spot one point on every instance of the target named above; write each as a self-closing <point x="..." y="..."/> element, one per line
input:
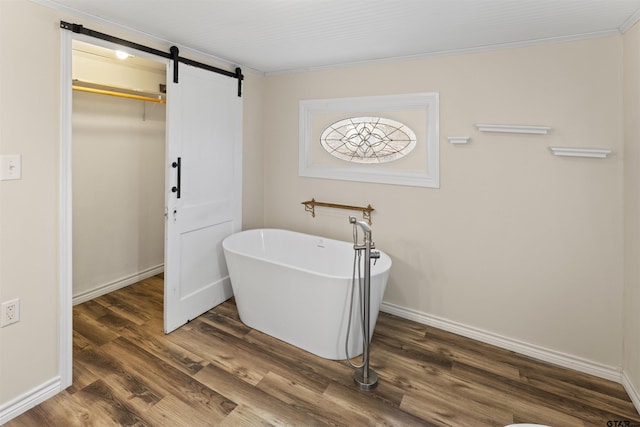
<point x="599" y="153"/>
<point x="459" y="139"/>
<point x="538" y="130"/>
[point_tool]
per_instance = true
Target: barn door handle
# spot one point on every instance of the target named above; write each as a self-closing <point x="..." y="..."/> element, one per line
<point x="177" y="164"/>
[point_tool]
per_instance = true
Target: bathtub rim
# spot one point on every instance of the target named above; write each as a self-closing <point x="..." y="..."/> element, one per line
<point x="383" y="256"/>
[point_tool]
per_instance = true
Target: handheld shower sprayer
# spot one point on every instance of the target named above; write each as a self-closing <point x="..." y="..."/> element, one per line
<point x="368" y="245"/>
<point x="365" y="228"/>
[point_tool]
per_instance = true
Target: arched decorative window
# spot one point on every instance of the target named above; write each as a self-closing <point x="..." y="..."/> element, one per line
<point x="368" y="140"/>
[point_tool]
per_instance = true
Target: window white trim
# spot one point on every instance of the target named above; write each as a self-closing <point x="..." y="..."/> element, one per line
<point x="427" y="175"/>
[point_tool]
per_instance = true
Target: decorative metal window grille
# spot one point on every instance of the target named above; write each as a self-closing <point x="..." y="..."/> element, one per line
<point x="368" y="140"/>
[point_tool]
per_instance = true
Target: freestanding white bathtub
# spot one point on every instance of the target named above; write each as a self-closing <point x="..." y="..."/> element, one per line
<point x="297" y="287"/>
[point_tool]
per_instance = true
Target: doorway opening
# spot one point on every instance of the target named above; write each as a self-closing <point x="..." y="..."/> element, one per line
<point x="202" y="156"/>
<point x="97" y="69"/>
<point x="118" y="169"/>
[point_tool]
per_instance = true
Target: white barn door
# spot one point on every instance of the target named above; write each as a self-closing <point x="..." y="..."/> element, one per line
<point x="204" y="189"/>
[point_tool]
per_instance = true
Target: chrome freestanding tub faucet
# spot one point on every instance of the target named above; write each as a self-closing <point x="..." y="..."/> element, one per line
<point x="364" y="376"/>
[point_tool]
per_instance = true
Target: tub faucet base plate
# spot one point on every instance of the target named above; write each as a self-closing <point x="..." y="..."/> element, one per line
<point x="365" y="384"/>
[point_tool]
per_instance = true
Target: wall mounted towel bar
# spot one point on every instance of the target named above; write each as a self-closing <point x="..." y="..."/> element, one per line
<point x="310" y="206"/>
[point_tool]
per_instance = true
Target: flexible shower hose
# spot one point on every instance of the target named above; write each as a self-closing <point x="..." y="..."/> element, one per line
<point x="356" y="259"/>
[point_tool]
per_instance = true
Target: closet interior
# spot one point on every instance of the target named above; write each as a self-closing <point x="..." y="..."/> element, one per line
<point x="118" y="172"/>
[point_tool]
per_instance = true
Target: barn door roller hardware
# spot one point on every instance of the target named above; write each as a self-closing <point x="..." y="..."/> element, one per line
<point x="173" y="54"/>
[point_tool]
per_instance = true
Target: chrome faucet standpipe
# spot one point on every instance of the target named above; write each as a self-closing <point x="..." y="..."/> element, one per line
<point x="364" y="376"/>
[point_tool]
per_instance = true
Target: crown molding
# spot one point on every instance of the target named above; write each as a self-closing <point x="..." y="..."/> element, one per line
<point x="630" y="22"/>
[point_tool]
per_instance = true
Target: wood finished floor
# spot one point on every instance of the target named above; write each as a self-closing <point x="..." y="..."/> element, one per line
<point x="215" y="371"/>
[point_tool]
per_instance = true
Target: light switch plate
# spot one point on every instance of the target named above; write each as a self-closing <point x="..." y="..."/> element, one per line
<point x="10" y="167"/>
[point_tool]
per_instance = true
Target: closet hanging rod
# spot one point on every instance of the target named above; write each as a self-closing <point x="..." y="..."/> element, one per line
<point x="122" y="95"/>
<point x="115" y="91"/>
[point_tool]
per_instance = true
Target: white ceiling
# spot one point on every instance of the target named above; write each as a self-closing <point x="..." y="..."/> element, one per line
<point x="282" y="35"/>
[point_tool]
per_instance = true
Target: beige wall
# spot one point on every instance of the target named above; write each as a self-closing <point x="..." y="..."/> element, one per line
<point x="29" y="125"/>
<point x="516" y="242"/>
<point x="252" y="153"/>
<point x="29" y="221"/>
<point x="632" y="205"/>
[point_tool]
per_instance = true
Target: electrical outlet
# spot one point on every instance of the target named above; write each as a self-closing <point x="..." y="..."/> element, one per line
<point x="10" y="312"/>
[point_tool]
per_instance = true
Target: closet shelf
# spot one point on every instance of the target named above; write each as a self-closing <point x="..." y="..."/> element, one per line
<point x="101" y="89"/>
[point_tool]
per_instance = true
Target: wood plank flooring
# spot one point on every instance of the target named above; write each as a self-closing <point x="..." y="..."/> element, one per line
<point x="215" y="371"/>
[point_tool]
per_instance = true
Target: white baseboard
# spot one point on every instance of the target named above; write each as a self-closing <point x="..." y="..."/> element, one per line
<point x="633" y="393"/>
<point x="117" y="284"/>
<point x="546" y="355"/>
<point x="28" y="400"/>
